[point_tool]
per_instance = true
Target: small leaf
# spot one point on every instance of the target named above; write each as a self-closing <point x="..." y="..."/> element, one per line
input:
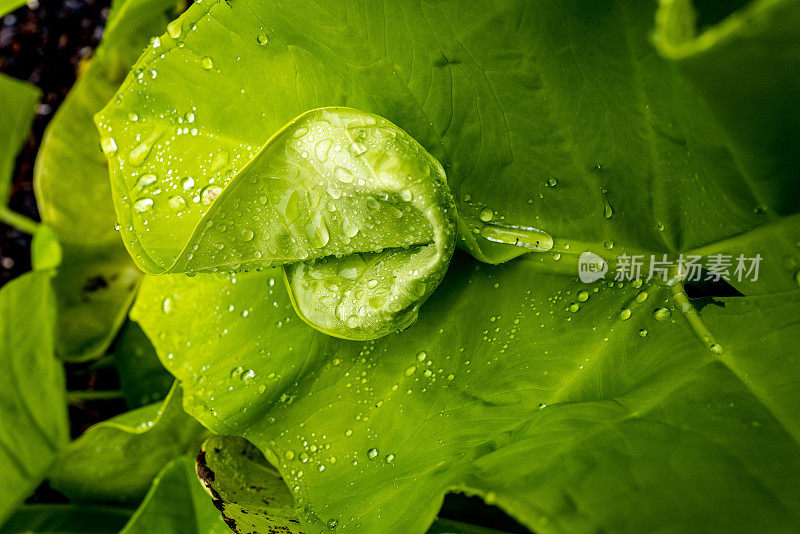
<point x="18" y="107"/>
<point x="116" y="460"/>
<point x="176" y="504"/>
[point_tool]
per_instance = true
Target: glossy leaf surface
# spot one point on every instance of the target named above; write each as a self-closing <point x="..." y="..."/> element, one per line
<point x="67" y="519"/>
<point x="573" y="410"/>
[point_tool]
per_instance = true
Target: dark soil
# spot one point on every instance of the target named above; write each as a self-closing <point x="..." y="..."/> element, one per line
<point x="42" y="43"/>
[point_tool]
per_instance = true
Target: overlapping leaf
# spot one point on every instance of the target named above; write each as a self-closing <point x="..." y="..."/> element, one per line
<point x="116" y="460"/>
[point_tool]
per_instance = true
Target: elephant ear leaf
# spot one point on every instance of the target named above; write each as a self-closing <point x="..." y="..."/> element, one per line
<point x="357" y="212"/>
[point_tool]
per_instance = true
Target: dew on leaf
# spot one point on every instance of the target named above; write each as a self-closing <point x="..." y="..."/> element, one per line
<point x="143" y="204"/>
<point x="176" y="202"/>
<point x="206" y="62"/>
<point x="372" y="454"/>
<point x="486" y="214"/>
<point x="661" y="314"/>
<point x="262" y="39"/>
<point x="209" y="194"/>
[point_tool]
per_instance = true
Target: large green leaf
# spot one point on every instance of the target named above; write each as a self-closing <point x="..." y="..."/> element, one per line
<point x="99" y="280"/>
<point x="67" y="519"/>
<point x="552" y="414"/>
<point x="627" y="409"/>
<point x="176" y="504"/>
<point x="116" y="460"/>
<point x="33" y="406"/>
<point x="7" y="6"/>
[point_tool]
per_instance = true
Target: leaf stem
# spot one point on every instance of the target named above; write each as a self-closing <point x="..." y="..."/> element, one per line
<point x="18" y="221"/>
<point x="86" y="395"/>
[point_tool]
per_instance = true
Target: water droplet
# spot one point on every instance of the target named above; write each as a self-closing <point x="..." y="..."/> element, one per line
<point x="661" y="314"/>
<point x="407" y="195"/>
<point x="206" y="63"/>
<point x="247" y="234"/>
<point x="641" y="297"/>
<point x="109" y="146"/>
<point x="209" y="194"/>
<point x="421" y="356"/>
<point x="236" y="372"/>
<point x="625" y="314"/>
<point x="176" y="202"/>
<point x="289" y="455"/>
<point x="143" y="204"/>
<point x="716" y="348"/>
<point x="189" y="117"/>
<point x="133" y="117"/>
<point x="520" y="236"/>
<point x="583" y="296"/>
<point x="166" y="305"/>
<point x="343" y="175"/>
<point x="262" y="39"/>
<point x="146" y="180"/>
<point x="552" y="182"/>
<point x="357" y="148"/>
<point x="389" y="458"/>
<point x="372" y="454"/>
<point x="608" y="211"/>
<point x="574" y="307"/>
<point x="608" y="244"/>
<point x="187" y="183"/>
<point x="321" y="150"/>
<point x="261" y="389"/>
<point x="486" y="215"/>
<point x="174" y="29"/>
<point x="410" y="370"/>
<point x="332" y="524"/>
<point x="642" y="332"/>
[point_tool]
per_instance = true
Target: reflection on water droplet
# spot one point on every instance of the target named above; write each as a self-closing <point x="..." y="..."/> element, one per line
<point x="407" y="195"/>
<point x="343" y="175"/>
<point x="389" y="458"/>
<point x="289" y="454"/>
<point x="109" y="146"/>
<point x="332" y="523"/>
<point x="206" y="63"/>
<point x="321" y="150"/>
<point x="174" y="29"/>
<point x="146" y="180"/>
<point x="410" y="370"/>
<point x="574" y="307"/>
<point x="372" y="454"/>
<point x="187" y="183"/>
<point x="520" y="236"/>
<point x="661" y="314"/>
<point x="486" y="215"/>
<point x="422" y="355"/>
<point x="262" y="39"/>
<point x="552" y="182"/>
<point x="625" y="314"/>
<point x="357" y="148"/>
<point x="716" y="348"/>
<point x="642" y="332"/>
<point x="209" y="194"/>
<point x="583" y="296"/>
<point x="166" y="305"/>
<point x="236" y="372"/>
<point x="247" y="234"/>
<point x="608" y="211"/>
<point x="609" y="245"/>
<point x="176" y="202"/>
<point x="143" y="204"/>
<point x="660" y="226"/>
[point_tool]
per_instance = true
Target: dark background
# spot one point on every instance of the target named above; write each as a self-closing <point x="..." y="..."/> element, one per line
<point x="43" y="43"/>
